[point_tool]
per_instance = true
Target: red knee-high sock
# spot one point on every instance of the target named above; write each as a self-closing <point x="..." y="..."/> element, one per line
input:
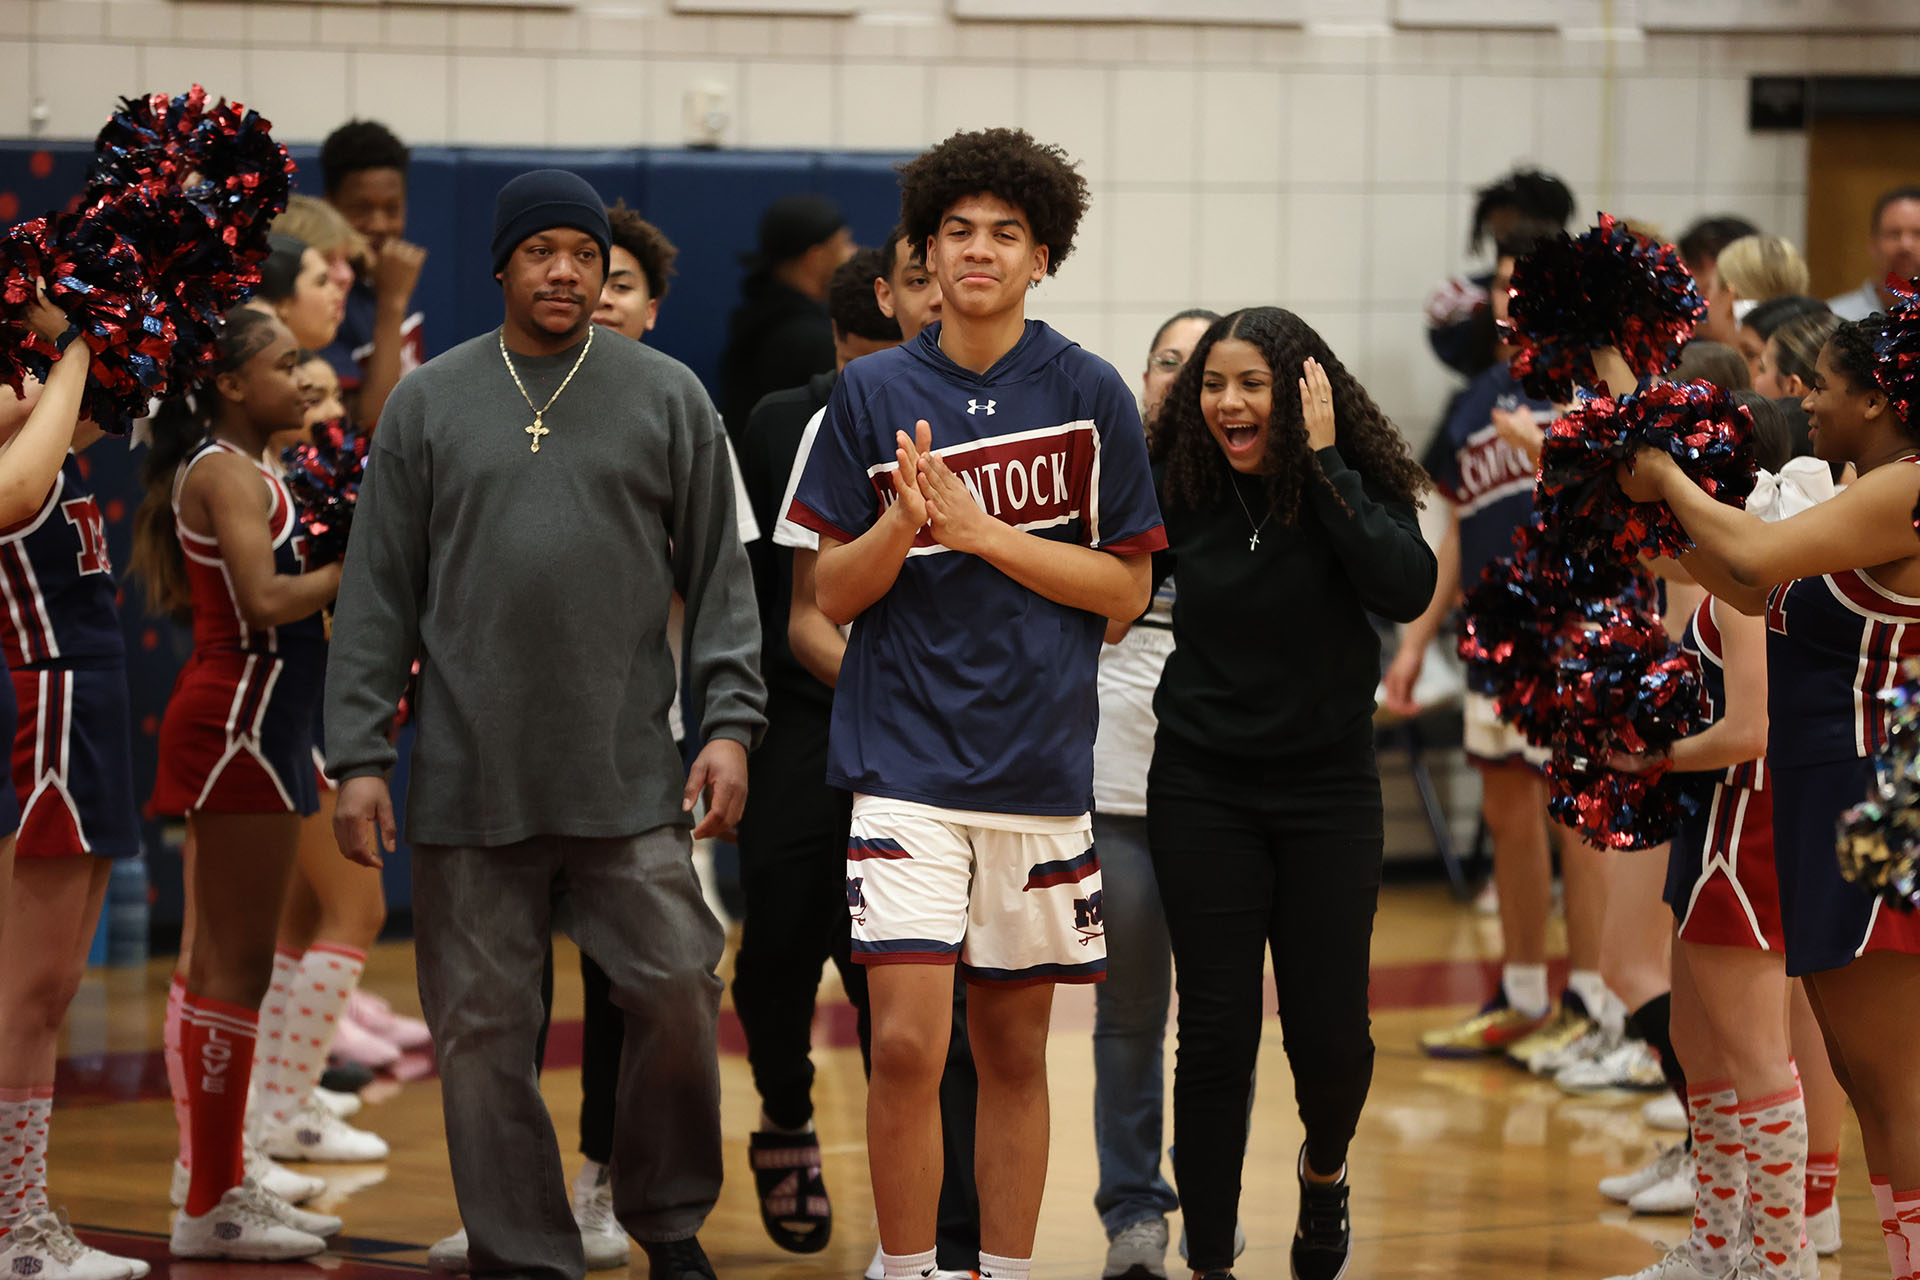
<point x="216" y="1040"/>
<point x="176" y="1064"/>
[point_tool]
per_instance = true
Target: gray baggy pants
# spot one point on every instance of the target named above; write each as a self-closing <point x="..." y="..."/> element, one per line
<point x="482" y="918"/>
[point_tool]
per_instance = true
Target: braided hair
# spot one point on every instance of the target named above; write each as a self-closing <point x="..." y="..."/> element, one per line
<point x="178" y="426"/>
<point x="1196" y="474"/>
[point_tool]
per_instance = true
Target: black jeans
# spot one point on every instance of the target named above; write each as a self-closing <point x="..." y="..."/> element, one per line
<point x="602" y="1028"/>
<point x="1251" y="855"/>
<point x="793" y="870"/>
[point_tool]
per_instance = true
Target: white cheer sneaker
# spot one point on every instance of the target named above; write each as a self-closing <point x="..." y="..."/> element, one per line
<point x="42" y="1246"/>
<point x="246" y="1225"/>
<point x="1674" y="1161"/>
<point x="314" y="1133"/>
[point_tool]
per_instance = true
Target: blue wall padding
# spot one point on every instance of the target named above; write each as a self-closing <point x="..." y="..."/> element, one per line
<point x="707" y="202"/>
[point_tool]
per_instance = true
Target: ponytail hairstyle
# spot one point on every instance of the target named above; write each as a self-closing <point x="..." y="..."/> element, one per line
<point x="1196" y="473"/>
<point x="178" y="426"/>
<point x="1797" y="344"/>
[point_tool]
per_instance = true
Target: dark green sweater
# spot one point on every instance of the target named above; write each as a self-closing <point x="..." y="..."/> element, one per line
<point x="534" y="589"/>
<point x="1273" y="653"/>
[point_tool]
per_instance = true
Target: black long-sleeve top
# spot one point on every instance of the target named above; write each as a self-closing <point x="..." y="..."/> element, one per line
<point x="1273" y="652"/>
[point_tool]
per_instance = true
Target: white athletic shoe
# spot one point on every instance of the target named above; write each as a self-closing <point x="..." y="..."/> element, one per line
<point x="1631" y="1065"/>
<point x="1823" y="1230"/>
<point x="344" y="1105"/>
<point x="1665" y="1112"/>
<point x="42" y="1246"/>
<point x="315" y="1133"/>
<point x="1673" y="1161"/>
<point x="1677" y="1264"/>
<point x="324" y="1225"/>
<point x="602" y="1237"/>
<point x="1672" y="1195"/>
<point x="1592" y="1045"/>
<point x="875" y="1271"/>
<point x="277" y="1179"/>
<point x="245" y="1225"/>
<point x="448" y="1256"/>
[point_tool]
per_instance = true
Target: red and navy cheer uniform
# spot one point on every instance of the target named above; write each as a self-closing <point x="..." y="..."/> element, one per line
<point x="1721" y="882"/>
<point x="1833" y="643"/>
<point x="238" y="733"/>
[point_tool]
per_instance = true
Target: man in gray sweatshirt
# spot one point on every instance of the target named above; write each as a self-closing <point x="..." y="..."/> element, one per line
<point x="533" y="499"/>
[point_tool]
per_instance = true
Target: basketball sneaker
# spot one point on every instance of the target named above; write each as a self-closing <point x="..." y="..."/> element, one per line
<point x="1672" y="1162"/>
<point x="1631" y="1065"/>
<point x="602" y="1238"/>
<point x="245" y="1225"/>
<point x="1555" y="1040"/>
<point x="314" y="1133"/>
<point x="1323" y="1236"/>
<point x="448" y="1256"/>
<point x="1823" y="1231"/>
<point x="43" y="1246"/>
<point x="344" y="1105"/>
<point x="1138" y="1251"/>
<point x="1665" y="1112"/>
<point x="1677" y="1264"/>
<point x="1491" y="1031"/>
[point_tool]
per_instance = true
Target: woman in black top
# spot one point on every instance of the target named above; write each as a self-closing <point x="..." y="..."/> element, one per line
<point x="1290" y="504"/>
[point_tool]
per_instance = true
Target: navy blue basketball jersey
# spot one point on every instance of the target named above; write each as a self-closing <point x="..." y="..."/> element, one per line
<point x="961" y="688"/>
<point x="58" y="581"/>
<point x="1702" y="639"/>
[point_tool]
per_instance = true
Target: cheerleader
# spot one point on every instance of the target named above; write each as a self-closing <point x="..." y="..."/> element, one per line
<point x="73" y="795"/>
<point x="1839" y="588"/>
<point x="1729" y="1022"/>
<point x="335" y="909"/>
<point x="217" y="539"/>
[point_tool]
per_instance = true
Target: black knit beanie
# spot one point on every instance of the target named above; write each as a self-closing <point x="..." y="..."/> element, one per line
<point x="541" y="199"/>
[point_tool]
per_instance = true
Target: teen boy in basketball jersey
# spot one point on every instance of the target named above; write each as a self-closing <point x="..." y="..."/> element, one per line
<point x="978" y="580"/>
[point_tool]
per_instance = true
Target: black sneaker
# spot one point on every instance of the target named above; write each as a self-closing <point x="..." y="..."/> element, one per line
<point x="1324" y="1236"/>
<point x="678" y="1260"/>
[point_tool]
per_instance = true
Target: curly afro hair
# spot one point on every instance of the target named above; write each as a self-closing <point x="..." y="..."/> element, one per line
<point x="357" y="145"/>
<point x="1196" y="473"/>
<point x="647" y="243"/>
<point x="1034" y="177"/>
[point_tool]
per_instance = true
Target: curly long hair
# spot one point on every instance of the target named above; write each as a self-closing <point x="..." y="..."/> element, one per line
<point x="1196" y="474"/>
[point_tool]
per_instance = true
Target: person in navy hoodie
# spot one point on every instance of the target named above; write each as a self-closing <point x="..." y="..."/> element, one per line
<point x="985" y="506"/>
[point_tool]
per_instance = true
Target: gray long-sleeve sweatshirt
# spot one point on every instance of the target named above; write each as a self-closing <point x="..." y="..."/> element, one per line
<point x="534" y="589"/>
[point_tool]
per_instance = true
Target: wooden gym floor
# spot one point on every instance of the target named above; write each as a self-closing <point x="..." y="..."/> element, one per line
<point x="1465" y="1169"/>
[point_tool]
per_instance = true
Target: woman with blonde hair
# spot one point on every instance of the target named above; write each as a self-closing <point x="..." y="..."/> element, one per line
<point x="1756" y="268"/>
<point x="313" y="220"/>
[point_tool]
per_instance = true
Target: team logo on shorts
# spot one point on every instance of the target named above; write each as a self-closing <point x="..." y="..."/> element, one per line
<point x="857" y="899"/>
<point x="1087" y="921"/>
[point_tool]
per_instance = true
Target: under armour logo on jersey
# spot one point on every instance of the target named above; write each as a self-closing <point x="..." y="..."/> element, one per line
<point x="974" y="406"/>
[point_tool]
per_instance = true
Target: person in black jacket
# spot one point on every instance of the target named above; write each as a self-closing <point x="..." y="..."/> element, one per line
<point x="1290" y="509"/>
<point x="780" y="335"/>
<point x="793" y="850"/>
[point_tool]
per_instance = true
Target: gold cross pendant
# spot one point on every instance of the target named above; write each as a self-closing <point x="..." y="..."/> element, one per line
<point x="537" y="430"/>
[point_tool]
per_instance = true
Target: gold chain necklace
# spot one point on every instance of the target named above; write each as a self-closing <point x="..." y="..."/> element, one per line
<point x="539" y="427"/>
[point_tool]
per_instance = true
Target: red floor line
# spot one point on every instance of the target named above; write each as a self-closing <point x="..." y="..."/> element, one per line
<point x="101" y="1079"/>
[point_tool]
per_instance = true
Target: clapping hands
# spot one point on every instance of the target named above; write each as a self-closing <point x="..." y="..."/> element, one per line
<point x="931" y="495"/>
